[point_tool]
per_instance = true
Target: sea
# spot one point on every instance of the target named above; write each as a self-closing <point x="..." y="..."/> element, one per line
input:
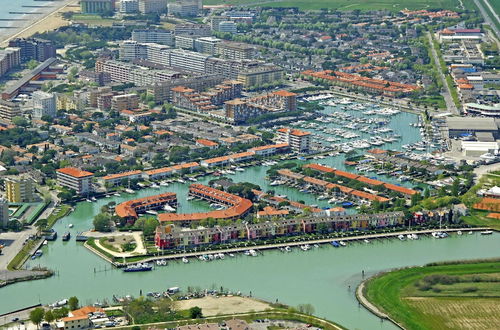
<point x="15" y="15"/>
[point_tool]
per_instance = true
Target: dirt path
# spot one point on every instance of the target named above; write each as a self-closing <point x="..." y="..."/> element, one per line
<point x="212" y="306"/>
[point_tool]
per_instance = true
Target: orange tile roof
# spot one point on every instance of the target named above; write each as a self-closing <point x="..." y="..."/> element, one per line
<point x="207" y="143"/>
<point x="284" y="93"/>
<point x="270" y="146"/>
<point x="403" y="190"/>
<point x="493" y="216"/>
<point x="238" y="206"/>
<point x="128" y="209"/>
<point x="74" y="172"/>
<point x="377" y="151"/>
<point x="121" y="175"/>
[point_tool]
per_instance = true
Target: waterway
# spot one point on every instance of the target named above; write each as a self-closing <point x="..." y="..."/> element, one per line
<point x="325" y="277"/>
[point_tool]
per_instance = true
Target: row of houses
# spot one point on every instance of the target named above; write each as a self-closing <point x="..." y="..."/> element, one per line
<point x="172" y="237"/>
<point x="407" y="192"/>
<point x="129" y="210"/>
<point x="235" y="207"/>
<point x="323" y="185"/>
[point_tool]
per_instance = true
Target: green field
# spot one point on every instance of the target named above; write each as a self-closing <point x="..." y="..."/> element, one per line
<point x="392" y="5"/>
<point x="444" y="296"/>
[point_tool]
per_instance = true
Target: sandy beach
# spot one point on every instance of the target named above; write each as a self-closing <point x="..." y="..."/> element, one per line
<point x="51" y="20"/>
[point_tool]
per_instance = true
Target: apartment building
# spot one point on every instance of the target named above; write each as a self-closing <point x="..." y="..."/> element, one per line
<point x="140" y="76"/>
<point x="34" y="49"/>
<point x="97" y="6"/>
<point x="184" y="42"/>
<point x="207" y="45"/>
<point x="235" y="50"/>
<point x="162" y="91"/>
<point x="124" y="102"/>
<point x="156" y="53"/>
<point x="299" y="141"/>
<point x="9" y="58"/>
<point x="4" y="213"/>
<point x="162" y="37"/>
<point x="184" y="8"/>
<point x="152" y="6"/>
<point x="20" y="190"/>
<point x="129" y="6"/>
<point x="44" y="104"/>
<point x="76" y="179"/>
<point x="257" y="76"/>
<point x="188" y="98"/>
<point x="200" y="30"/>
<point x="228" y="27"/>
<point x="9" y="110"/>
<point x="187" y="60"/>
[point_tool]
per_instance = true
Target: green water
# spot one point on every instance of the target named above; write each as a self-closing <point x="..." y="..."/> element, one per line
<point x="321" y="277"/>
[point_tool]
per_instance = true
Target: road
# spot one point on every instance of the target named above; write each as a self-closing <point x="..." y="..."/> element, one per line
<point x="487" y="18"/>
<point x="13" y="244"/>
<point x="485" y="169"/>
<point x="450" y="105"/>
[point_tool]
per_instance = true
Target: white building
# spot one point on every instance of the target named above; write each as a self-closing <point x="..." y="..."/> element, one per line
<point x="76" y="179"/>
<point x="299" y="141"/>
<point x="482" y="109"/>
<point x="187" y="60"/>
<point x="44" y="104"/>
<point x="163" y="37"/>
<point x="129" y="6"/>
<point x="185" y="8"/>
<point x="152" y="6"/>
<point x="207" y="45"/>
<point x="228" y="27"/>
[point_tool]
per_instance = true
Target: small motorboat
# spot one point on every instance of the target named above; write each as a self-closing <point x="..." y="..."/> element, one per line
<point x="486" y="232"/>
<point x="70" y="225"/>
<point x="185" y="260"/>
<point x="342" y="243"/>
<point x="366" y="241"/>
<point x="459" y="232"/>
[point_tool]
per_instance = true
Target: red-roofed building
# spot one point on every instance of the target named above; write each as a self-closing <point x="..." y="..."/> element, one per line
<point x="206" y="143"/>
<point x="76" y="179"/>
<point x="299" y="141"/>
<point x="116" y="179"/>
<point x="80" y="318"/>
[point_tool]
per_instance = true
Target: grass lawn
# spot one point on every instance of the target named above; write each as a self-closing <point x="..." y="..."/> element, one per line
<point x="443" y="296"/>
<point x="479" y="219"/>
<point x="392" y="5"/>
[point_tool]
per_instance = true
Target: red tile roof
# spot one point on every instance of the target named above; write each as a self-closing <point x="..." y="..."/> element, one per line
<point x="74" y="172"/>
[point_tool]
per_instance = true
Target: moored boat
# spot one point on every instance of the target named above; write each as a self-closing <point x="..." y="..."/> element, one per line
<point x="141" y="267"/>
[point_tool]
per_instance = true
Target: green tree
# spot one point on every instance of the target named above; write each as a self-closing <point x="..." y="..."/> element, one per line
<point x="59" y="313"/>
<point x="73" y="303"/>
<point x="195" y="312"/>
<point x="19" y="121"/>
<point x="36" y="316"/>
<point x="49" y="316"/>
<point x="102" y="222"/>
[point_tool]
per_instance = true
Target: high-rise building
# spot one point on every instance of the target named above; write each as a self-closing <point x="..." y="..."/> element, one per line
<point x="34" y="49"/>
<point x="125" y="102"/>
<point x="187" y="60"/>
<point x="299" y="141"/>
<point x="44" y="104"/>
<point x="9" y="110"/>
<point x="163" y="37"/>
<point x="4" y="213"/>
<point x="9" y="59"/>
<point x="228" y="27"/>
<point x="215" y="21"/>
<point x="200" y="30"/>
<point x="184" y="42"/>
<point x="207" y="45"/>
<point x="152" y="6"/>
<point x="76" y="179"/>
<point x="97" y="6"/>
<point x="129" y="6"/>
<point x="20" y="190"/>
<point x="131" y="50"/>
<point x="184" y="8"/>
<point x="235" y="50"/>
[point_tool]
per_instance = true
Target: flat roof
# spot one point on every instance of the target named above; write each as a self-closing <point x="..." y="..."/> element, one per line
<point x="471" y="123"/>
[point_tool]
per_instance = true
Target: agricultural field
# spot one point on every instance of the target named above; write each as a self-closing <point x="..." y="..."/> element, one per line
<point x="440" y="296"/>
<point x="392" y="5"/>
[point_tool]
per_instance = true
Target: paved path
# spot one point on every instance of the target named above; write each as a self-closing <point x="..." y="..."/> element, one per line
<point x="139" y="250"/>
<point x="446" y="93"/>
<point x="485" y="169"/>
<point x="291" y="244"/>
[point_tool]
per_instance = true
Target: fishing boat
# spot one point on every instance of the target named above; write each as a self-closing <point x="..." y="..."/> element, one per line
<point x="141" y="267"/>
<point x="66" y="236"/>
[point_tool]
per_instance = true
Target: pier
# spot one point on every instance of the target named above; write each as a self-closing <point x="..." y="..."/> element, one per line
<point x="24" y="13"/>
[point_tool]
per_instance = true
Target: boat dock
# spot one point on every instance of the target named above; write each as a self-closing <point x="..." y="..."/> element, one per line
<point x="352" y="239"/>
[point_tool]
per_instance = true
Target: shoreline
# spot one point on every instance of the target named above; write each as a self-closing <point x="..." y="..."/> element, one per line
<point x="47" y="21"/>
<point x="259" y="248"/>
